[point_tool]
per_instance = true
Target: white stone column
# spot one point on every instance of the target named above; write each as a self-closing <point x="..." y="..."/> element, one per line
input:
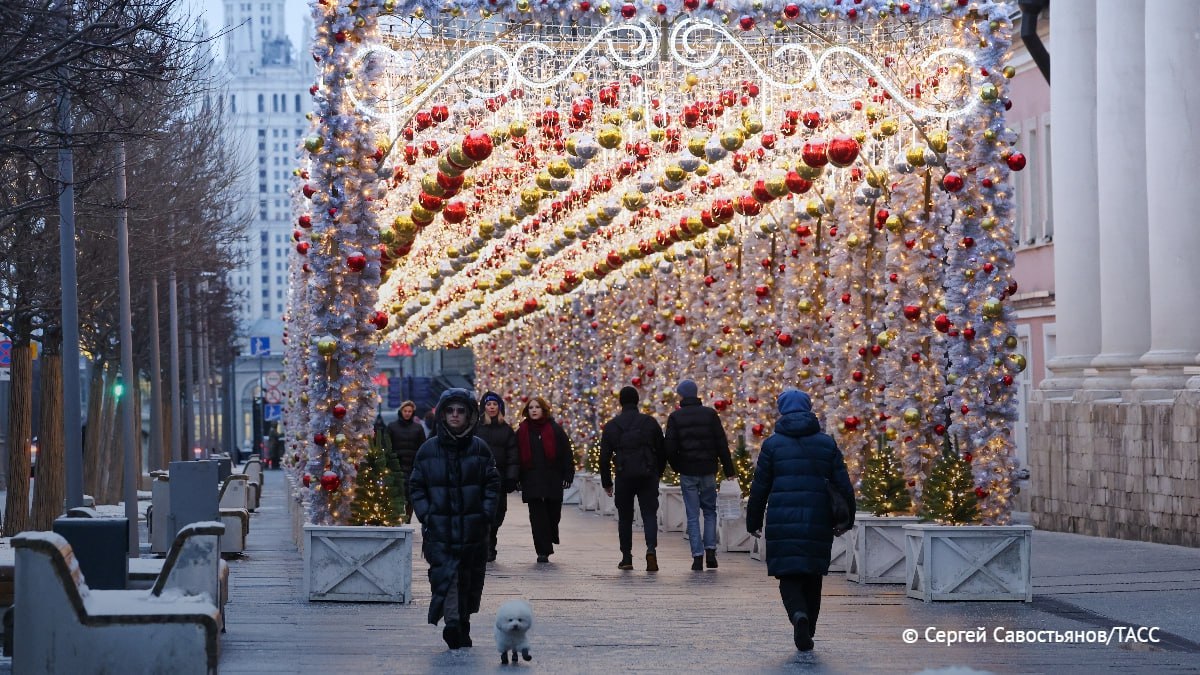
<point x="1173" y="152"/>
<point x="1124" y="239"/>
<point x="1076" y="239"/>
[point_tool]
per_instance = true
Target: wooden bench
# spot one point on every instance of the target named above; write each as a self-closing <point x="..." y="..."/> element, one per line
<point x="60" y="625"/>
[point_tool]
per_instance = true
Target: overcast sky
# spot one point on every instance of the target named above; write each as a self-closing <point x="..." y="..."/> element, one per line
<point x="213" y="12"/>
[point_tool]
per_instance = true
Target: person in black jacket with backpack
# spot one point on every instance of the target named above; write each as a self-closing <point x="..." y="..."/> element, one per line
<point x="503" y="441"/>
<point x="796" y="467"/>
<point x="455" y="487"/>
<point x="636" y="441"/>
<point x="696" y="444"/>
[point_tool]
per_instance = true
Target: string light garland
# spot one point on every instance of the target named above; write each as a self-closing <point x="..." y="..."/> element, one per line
<point x="754" y="194"/>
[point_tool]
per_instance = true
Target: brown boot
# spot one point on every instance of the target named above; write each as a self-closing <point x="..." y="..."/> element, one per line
<point x="651" y="562"/>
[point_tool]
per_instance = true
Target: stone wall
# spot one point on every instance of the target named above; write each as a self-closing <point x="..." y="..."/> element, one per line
<point x="1113" y="468"/>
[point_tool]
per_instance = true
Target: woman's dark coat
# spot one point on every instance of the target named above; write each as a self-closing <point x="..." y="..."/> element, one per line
<point x="455" y="488"/>
<point x="789" y="484"/>
<point x="407" y="436"/>
<point x="544" y="480"/>
<point x="503" y="441"/>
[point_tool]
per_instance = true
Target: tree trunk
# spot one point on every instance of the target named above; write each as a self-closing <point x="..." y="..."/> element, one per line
<point x="91" y="441"/>
<point x="168" y="429"/>
<point x="50" y="483"/>
<point x="20" y="432"/>
<point x="138" y="446"/>
<point x="115" y="439"/>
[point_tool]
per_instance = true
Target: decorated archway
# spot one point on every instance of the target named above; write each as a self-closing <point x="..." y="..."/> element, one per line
<point x="591" y="195"/>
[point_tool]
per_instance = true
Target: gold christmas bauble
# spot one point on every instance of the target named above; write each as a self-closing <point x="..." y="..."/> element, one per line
<point x="938" y="141"/>
<point x="915" y="155"/>
<point x="732" y="139"/>
<point x="992" y="308"/>
<point x="912" y="417"/>
<point x="609" y="137"/>
<point x="894" y="224"/>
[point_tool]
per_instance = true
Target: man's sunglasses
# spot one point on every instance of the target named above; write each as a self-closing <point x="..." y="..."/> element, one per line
<point x="456" y="410"/>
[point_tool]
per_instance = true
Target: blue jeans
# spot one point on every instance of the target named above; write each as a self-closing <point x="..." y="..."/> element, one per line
<point x="700" y="493"/>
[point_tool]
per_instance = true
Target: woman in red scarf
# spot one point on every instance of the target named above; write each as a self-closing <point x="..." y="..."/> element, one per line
<point x="547" y="468"/>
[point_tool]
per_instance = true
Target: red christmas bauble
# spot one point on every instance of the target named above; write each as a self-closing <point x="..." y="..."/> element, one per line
<point x="1016" y="161"/>
<point x="645" y="327"/>
<point x="797" y="184"/>
<point x="660" y="337"/>
<point x="455" y="212"/>
<point x="784" y="339"/>
<point x="356" y="262"/>
<point x="758" y="430"/>
<point x="330" y="481"/>
<point x="968" y="333"/>
<point x="952" y="182"/>
<point x="628" y="10"/>
<point x="338" y="411"/>
<point x="477" y="146"/>
<point x="746" y="22"/>
<point x="814" y="154"/>
<point x="319" y="438"/>
<point x="680" y="319"/>
<point x="842" y="151"/>
<point x="912" y="312"/>
<point x="791" y="10"/>
<point x="857" y="376"/>
<point x="942" y="323"/>
<point x="307" y="480"/>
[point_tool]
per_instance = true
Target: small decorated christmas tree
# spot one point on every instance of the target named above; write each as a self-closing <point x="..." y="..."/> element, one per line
<point x="949" y="496"/>
<point x="883" y="489"/>
<point x="592" y="461"/>
<point x="378" y="494"/>
<point x="743" y="463"/>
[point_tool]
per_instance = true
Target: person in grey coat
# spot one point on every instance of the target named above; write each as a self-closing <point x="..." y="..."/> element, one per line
<point x="794" y="465"/>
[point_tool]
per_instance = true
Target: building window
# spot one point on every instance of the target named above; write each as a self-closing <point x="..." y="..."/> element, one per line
<point x="233" y="103"/>
<point x="265" y="278"/>
<point x="262" y="187"/>
<point x="262" y="236"/>
<point x="266" y="310"/>
<point x="262" y="146"/>
<point x="279" y="295"/>
<point x="1032" y="187"/>
<point x="297" y="110"/>
<point x="261" y="102"/>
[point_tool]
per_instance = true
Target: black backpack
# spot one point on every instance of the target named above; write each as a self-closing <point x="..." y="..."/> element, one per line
<point x="634" y="451"/>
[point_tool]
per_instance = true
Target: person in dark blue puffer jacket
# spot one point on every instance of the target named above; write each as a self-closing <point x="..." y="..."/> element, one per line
<point x="793" y="467"/>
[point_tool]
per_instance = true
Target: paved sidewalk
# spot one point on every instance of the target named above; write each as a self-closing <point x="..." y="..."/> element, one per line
<point x="593" y="618"/>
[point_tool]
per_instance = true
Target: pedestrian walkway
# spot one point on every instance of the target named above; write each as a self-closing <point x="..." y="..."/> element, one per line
<point x="593" y="618"/>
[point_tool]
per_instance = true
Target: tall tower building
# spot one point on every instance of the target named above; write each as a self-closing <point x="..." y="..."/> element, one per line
<point x="266" y="87"/>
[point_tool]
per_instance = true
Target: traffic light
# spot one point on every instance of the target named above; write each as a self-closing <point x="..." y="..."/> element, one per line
<point x="118" y="387"/>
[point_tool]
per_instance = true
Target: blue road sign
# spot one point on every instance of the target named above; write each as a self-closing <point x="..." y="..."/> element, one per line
<point x="272" y="412"/>
<point x="260" y="346"/>
<point x="5" y="353"/>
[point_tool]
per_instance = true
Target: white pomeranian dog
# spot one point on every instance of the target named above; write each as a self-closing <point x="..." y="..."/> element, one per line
<point x="513" y="621"/>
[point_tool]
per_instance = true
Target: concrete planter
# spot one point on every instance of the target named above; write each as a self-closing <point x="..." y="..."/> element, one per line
<point x="672" y="517"/>
<point x="877" y="554"/>
<point x="970" y="562"/>
<point x="358" y="564"/>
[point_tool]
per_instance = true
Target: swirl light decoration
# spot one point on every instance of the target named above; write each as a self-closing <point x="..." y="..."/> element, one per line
<point x="752" y="193"/>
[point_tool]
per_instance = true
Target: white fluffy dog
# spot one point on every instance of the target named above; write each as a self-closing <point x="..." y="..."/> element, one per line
<point x="513" y="621"/>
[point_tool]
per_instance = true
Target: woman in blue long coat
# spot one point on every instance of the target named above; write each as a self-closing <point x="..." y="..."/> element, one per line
<point x="793" y="467"/>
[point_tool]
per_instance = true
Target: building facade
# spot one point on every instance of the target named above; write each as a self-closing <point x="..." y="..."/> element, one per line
<point x="1113" y="442"/>
<point x="266" y="99"/>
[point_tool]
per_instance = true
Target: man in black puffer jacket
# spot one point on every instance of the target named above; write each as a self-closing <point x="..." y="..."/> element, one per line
<point x="407" y="435"/>
<point x="637" y="442"/>
<point x="794" y="466"/>
<point x="455" y="487"/>
<point x="695" y="444"/>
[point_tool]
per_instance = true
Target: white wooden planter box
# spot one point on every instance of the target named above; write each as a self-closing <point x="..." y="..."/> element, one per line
<point x="672" y="517"/>
<point x="607" y="505"/>
<point x="758" y="548"/>
<point x="358" y="564"/>
<point x="971" y="562"/>
<point x="839" y="555"/>
<point x="589" y="493"/>
<point x="877" y="555"/>
<point x="733" y="535"/>
<point x="571" y="494"/>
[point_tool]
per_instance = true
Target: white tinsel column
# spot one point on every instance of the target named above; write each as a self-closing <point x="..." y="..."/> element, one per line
<point x="344" y="261"/>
